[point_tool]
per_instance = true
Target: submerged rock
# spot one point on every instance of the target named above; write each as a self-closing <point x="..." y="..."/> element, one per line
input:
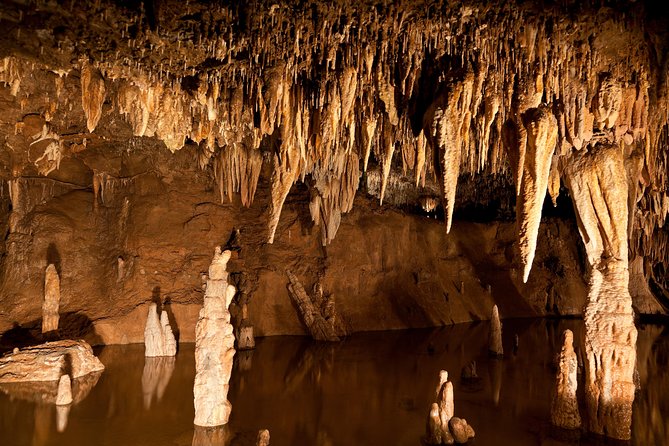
<point x="263" y="438"/>
<point x="442" y="427"/>
<point x="460" y="430"/>
<point x="47" y="362"/>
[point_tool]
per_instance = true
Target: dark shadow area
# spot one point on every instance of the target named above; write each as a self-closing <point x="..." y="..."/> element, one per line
<point x="53" y="257"/>
<point x="71" y="325"/>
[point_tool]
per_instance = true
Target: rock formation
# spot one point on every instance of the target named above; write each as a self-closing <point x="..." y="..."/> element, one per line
<point x="214" y="347"/>
<point x="244" y="335"/>
<point x="318" y="327"/>
<point x="263" y="438"/>
<point x="47" y="362"/>
<point x="442" y="426"/>
<point x="64" y="396"/>
<point x="158" y="337"/>
<point x="598" y="184"/>
<point x="564" y="407"/>
<point x="51" y="304"/>
<point x="495" y="337"/>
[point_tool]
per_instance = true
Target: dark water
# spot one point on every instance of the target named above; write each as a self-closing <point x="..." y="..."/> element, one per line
<point x="371" y="389"/>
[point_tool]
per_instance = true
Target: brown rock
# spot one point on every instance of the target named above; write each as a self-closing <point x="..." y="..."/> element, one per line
<point x="47" y="362"/>
<point x="564" y="408"/>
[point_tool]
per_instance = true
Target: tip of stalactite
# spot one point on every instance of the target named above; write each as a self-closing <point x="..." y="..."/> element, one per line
<point x="526" y="272"/>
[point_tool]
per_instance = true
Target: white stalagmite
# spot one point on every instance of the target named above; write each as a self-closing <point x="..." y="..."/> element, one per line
<point x="51" y="302"/>
<point x="542" y="132"/>
<point x="92" y="94"/>
<point x="564" y="407"/>
<point x="64" y="396"/>
<point x="158" y="336"/>
<point x="214" y="347"/>
<point x="440" y="427"/>
<point x="263" y="438"/>
<point x="598" y="185"/>
<point x="495" y="338"/>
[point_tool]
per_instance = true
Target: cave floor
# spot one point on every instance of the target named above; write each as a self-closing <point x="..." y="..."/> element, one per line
<point x="370" y="389"/>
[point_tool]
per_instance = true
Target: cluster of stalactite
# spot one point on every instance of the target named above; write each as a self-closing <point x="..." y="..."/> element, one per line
<point x="429" y="89"/>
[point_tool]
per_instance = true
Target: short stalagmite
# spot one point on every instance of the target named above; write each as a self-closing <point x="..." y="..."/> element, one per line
<point x="495" y="338"/>
<point x="564" y="408"/>
<point x="319" y="328"/>
<point x="439" y="428"/>
<point x="158" y="337"/>
<point x="598" y="186"/>
<point x="51" y="302"/>
<point x="214" y="347"/>
<point x="64" y="391"/>
<point x="263" y="438"/>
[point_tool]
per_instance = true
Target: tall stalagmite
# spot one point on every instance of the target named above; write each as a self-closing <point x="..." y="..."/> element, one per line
<point x="158" y="337"/>
<point x="495" y="347"/>
<point x="598" y="184"/>
<point x="214" y="347"/>
<point x="51" y="304"/>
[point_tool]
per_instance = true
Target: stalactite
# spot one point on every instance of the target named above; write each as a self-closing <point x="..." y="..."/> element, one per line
<point x="92" y="94"/>
<point x="541" y="127"/>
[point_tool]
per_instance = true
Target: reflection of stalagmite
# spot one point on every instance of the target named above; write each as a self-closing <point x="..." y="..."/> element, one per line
<point x="62" y="417"/>
<point x="51" y="303"/>
<point x="244" y="335"/>
<point x="598" y="186"/>
<point x="64" y="396"/>
<point x="158" y="337"/>
<point x="214" y="347"/>
<point x="155" y="378"/>
<point x="495" y="337"/>
<point x="564" y="407"/>
<point x="319" y="328"/>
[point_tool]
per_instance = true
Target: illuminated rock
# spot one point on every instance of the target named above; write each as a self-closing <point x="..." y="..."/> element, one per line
<point x="564" y="407"/>
<point x="495" y="337"/>
<point x="158" y="337"/>
<point x="263" y="438"/>
<point x="51" y="303"/>
<point x="64" y="396"/>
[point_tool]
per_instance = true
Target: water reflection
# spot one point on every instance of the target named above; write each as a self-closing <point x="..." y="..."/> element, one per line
<point x="371" y="389"/>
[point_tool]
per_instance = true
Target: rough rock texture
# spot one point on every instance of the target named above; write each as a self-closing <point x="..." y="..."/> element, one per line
<point x="460" y="430"/>
<point x="48" y="362"/>
<point x="64" y="396"/>
<point x="495" y="347"/>
<point x="318" y="327"/>
<point x="214" y="347"/>
<point x="564" y="406"/>
<point x="50" y="315"/>
<point x="158" y="337"/>
<point x="598" y="184"/>
<point x="441" y="427"/>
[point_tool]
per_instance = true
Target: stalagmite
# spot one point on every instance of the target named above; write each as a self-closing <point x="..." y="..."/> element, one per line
<point x="158" y="336"/>
<point x="542" y="135"/>
<point x="92" y="94"/>
<point x="214" y="347"/>
<point x="442" y="427"/>
<point x="564" y="407"/>
<point x="51" y="303"/>
<point x="263" y="438"/>
<point x="598" y="186"/>
<point x="64" y="391"/>
<point x="495" y="337"/>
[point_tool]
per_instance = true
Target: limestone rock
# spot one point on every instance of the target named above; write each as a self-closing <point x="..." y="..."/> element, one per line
<point x="64" y="396"/>
<point x="158" y="337"/>
<point x="263" y="438"/>
<point x="433" y="428"/>
<point x="245" y="339"/>
<point x="92" y="94"/>
<point x="214" y="347"/>
<point x="460" y="430"/>
<point x="51" y="303"/>
<point x="438" y="429"/>
<point x="495" y="338"/>
<point x="47" y="362"/>
<point x="312" y="317"/>
<point x="564" y="408"/>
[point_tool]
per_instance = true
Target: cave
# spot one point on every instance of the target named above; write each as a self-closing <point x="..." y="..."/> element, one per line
<point x="284" y="222"/>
